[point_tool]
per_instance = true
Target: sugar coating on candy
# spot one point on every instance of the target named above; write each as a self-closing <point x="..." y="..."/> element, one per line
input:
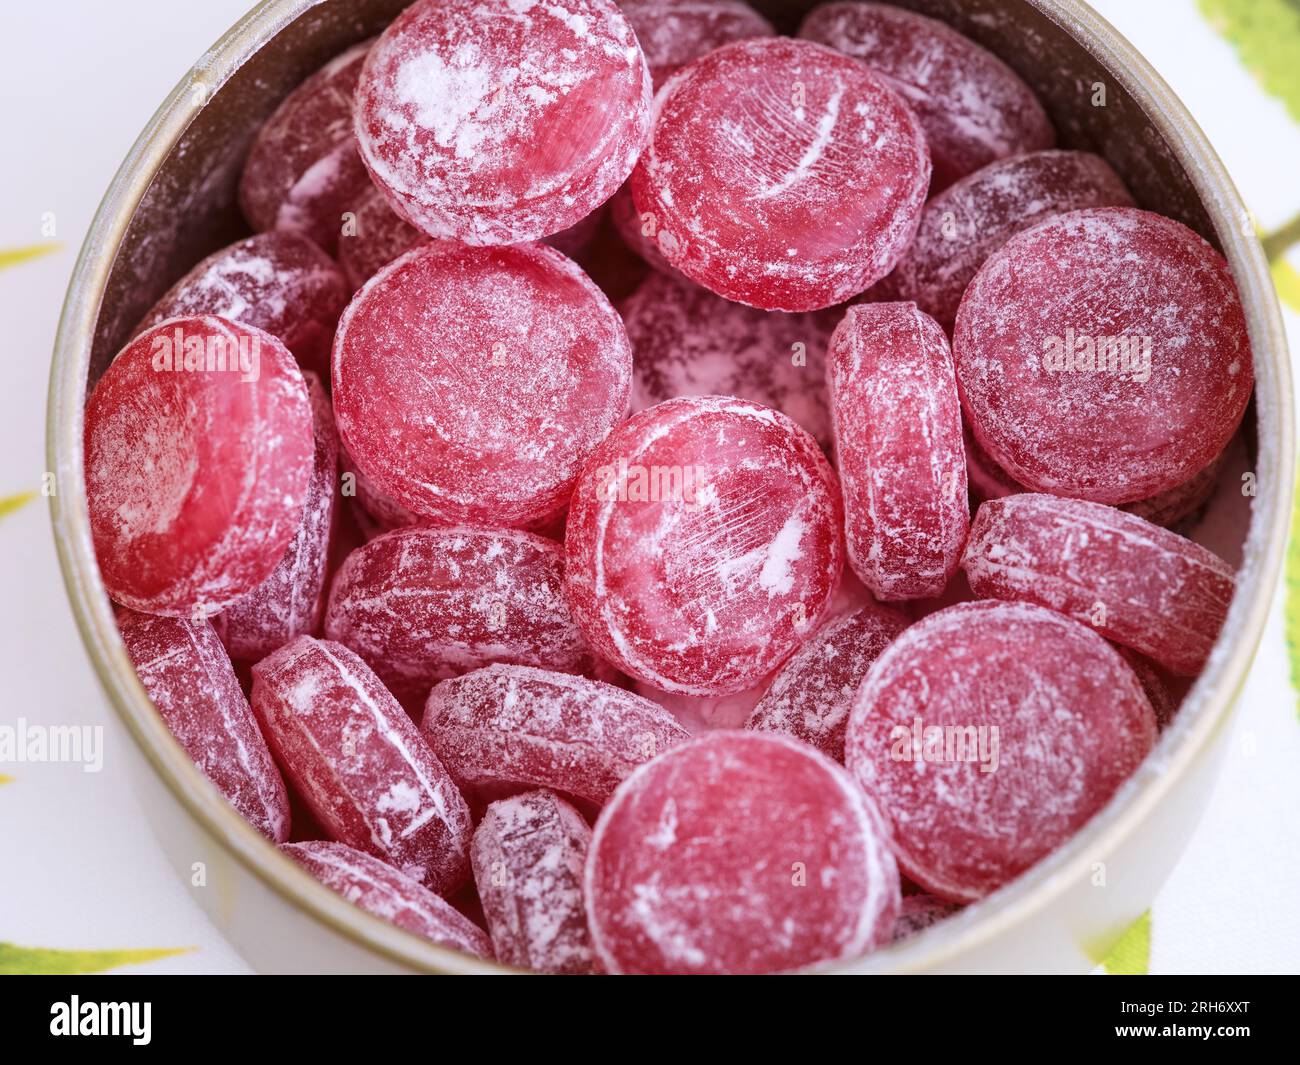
<point x="688" y="342"/>
<point x="738" y="853"/>
<point x="965" y="223"/>
<point x="378" y="236"/>
<point x="974" y="107"/>
<point x="984" y="477"/>
<point x="640" y="234"/>
<point x="811" y="697"/>
<point x="196" y="476"/>
<point x="387" y="893"/>
<point x="920" y="912"/>
<point x="500" y="121"/>
<point x="383" y="509"/>
<point x="507" y="728"/>
<point x="188" y="675"/>
<point x="704" y="713"/>
<point x="676" y="32"/>
<point x="470" y="385"/>
<point x="703" y="544"/>
<point x="528" y="854"/>
<point x="1134" y="582"/>
<point x="1103" y="355"/>
<point x="303" y="173"/>
<point x="898" y="444"/>
<point x="360" y="763"/>
<point x="988" y="734"/>
<point x="816" y="175"/>
<point x="291" y="600"/>
<point x="423" y="604"/>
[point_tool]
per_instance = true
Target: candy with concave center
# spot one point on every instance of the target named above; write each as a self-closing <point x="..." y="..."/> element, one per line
<point x="989" y="734"/>
<point x="528" y="853"/>
<point x="198" y="444"/>
<point x="1134" y="582"/>
<point x="471" y="384"/>
<point x="360" y="763"/>
<point x="738" y="853"/>
<point x="816" y="178"/>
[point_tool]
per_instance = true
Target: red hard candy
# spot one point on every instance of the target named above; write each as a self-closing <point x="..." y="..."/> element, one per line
<point x="703" y="544"/>
<point x="360" y="763"/>
<point x="1135" y="583"/>
<point x="471" y="385"/>
<point x="676" y="32"/>
<point x="812" y="695"/>
<point x="423" y="604"/>
<point x="377" y="237"/>
<point x="389" y="894"/>
<point x="1103" y="355"/>
<point x="988" y="734"/>
<point x="738" y="853"/>
<point x="498" y="121"/>
<point x="291" y="600"/>
<point x="188" y="675"/>
<point x="505" y="729"/>
<point x="816" y="174"/>
<point x="383" y="510"/>
<point x="898" y="444"/>
<point x="704" y="713"/>
<point x="196" y="477"/>
<point x="303" y="174"/>
<point x="974" y="108"/>
<point x="528" y="854"/>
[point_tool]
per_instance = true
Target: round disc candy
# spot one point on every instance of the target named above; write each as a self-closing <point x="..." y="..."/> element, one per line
<point x="898" y="441"/>
<point x="703" y="544"/>
<point x="1103" y="355"/>
<point x="198" y="458"/>
<point x="988" y="734"/>
<point x="675" y="32"/>
<point x="738" y="853"/>
<point x="500" y="121"/>
<point x="816" y="175"/>
<point x="471" y="385"/>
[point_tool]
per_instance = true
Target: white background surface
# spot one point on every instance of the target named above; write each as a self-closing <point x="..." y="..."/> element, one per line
<point x="78" y="80"/>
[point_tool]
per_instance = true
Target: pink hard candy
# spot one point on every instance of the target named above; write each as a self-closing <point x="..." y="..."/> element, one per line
<point x="528" y="854"/>
<point x="988" y="734"/>
<point x="360" y="763"/>
<point x="703" y="544"/>
<point x="1103" y="355"/>
<point x="704" y="713"/>
<point x="471" y="385"/>
<point x="505" y="729"/>
<point x="898" y="445"/>
<point x="1158" y="685"/>
<point x="1135" y="583"/>
<point x="377" y="237"/>
<point x="291" y="600"/>
<point x="974" y="108"/>
<point x="198" y="445"/>
<point x="424" y="604"/>
<point x="496" y="122"/>
<point x="303" y="174"/>
<point x="383" y="510"/>
<point x="676" y="32"/>
<point x="387" y="893"/>
<point x="815" y="179"/>
<point x="738" y="853"/>
<point x="188" y="675"/>
<point x="812" y="695"/>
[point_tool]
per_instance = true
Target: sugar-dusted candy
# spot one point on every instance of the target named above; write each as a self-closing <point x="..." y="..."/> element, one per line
<point x="1103" y="355"/>
<point x="816" y="174"/>
<point x="423" y="604"/>
<point x="360" y="763"/>
<point x="738" y="853"/>
<point x="812" y="695"/>
<point x="188" y="675"/>
<point x="470" y="385"/>
<point x="388" y="893"/>
<point x="384" y="512"/>
<point x="676" y="32"/>
<point x="198" y="445"/>
<point x="377" y="236"/>
<point x="507" y="728"/>
<point x="703" y="544"/>
<point x="496" y="122"/>
<point x="988" y="734"/>
<point x="1134" y="582"/>
<point x="704" y="713"/>
<point x="898" y="445"/>
<point x="291" y="600"/>
<point x="528" y="854"/>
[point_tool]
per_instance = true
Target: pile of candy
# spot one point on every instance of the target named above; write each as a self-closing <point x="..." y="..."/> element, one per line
<point x="663" y="638"/>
